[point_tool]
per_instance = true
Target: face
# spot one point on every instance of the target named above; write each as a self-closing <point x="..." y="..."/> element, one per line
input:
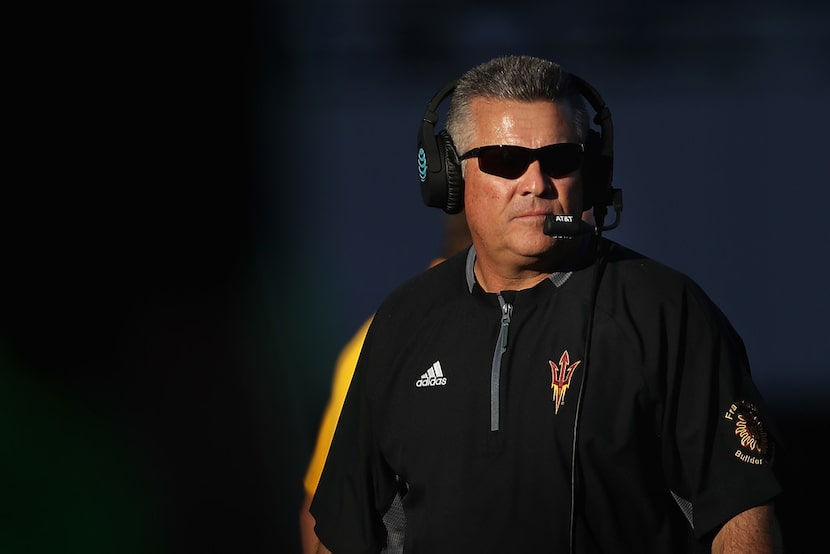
<point x="506" y="216"/>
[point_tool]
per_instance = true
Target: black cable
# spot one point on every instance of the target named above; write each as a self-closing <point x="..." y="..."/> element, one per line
<point x="599" y="262"/>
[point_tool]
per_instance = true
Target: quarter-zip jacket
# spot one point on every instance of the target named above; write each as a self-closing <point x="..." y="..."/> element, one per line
<point x="466" y="400"/>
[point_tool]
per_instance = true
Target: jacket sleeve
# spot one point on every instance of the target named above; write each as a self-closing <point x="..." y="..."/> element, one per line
<point x="720" y="445"/>
<point x="356" y="485"/>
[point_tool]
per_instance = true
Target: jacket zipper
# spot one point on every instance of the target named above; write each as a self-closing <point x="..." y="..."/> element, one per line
<point x="495" y="371"/>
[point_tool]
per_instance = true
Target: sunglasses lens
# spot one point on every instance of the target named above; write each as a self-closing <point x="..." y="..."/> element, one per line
<point x="507" y="162"/>
<point x="559" y="160"/>
<point x="510" y="162"/>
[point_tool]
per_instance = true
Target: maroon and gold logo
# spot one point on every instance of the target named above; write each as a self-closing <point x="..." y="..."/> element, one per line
<point x="753" y="443"/>
<point x="561" y="378"/>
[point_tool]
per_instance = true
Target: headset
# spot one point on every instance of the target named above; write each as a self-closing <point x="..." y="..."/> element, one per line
<point x="439" y="169"/>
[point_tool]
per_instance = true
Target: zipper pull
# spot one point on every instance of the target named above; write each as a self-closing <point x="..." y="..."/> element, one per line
<point x="506" y="312"/>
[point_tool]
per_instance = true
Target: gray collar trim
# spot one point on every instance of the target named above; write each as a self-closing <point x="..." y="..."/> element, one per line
<point x="558" y="278"/>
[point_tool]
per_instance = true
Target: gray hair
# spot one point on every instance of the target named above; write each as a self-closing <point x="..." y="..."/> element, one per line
<point x="518" y="78"/>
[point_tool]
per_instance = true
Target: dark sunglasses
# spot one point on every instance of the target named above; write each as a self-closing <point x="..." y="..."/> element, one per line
<point x="510" y="162"/>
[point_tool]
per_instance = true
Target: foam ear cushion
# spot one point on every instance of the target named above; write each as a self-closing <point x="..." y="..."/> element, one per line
<point x="591" y="179"/>
<point x="455" y="182"/>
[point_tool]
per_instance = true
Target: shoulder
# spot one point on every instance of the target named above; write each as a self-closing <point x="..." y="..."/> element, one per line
<point x="437" y="283"/>
<point x="638" y="281"/>
<point x="632" y="269"/>
<point x="424" y="296"/>
<point x="626" y="262"/>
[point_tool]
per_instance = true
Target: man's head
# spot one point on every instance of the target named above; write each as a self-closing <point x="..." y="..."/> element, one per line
<point x="532" y="104"/>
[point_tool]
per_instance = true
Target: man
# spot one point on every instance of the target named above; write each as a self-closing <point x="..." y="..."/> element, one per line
<point x="545" y="392"/>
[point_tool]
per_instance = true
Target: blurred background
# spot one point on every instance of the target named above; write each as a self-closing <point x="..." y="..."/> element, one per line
<point x="206" y="201"/>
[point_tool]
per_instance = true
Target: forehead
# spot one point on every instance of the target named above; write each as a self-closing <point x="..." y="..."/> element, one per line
<point x="532" y="124"/>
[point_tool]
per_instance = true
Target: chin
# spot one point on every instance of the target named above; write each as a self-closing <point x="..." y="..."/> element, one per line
<point x="538" y="246"/>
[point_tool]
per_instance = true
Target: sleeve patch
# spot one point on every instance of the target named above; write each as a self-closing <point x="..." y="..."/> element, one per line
<point x="752" y="443"/>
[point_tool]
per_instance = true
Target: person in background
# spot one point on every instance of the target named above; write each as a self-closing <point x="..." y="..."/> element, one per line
<point x="456" y="238"/>
<point x="547" y="389"/>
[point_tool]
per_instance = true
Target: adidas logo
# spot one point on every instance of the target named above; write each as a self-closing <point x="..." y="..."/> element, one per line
<point x="434" y="377"/>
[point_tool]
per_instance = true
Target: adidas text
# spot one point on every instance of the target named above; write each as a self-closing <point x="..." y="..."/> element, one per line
<point x="430" y="381"/>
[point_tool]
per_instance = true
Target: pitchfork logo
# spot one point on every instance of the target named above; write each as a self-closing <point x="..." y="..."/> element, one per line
<point x="560" y="378"/>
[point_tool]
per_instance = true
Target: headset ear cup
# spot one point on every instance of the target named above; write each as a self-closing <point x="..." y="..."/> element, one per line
<point x="452" y="166"/>
<point x="591" y="171"/>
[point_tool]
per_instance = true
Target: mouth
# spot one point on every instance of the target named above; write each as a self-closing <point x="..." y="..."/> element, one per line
<point x="533" y="215"/>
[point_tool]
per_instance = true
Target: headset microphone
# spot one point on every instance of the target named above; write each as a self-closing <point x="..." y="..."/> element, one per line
<point x="564" y="226"/>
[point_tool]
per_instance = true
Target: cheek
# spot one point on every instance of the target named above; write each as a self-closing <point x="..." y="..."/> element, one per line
<point x="570" y="188"/>
<point x="481" y="203"/>
<point x="485" y="193"/>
